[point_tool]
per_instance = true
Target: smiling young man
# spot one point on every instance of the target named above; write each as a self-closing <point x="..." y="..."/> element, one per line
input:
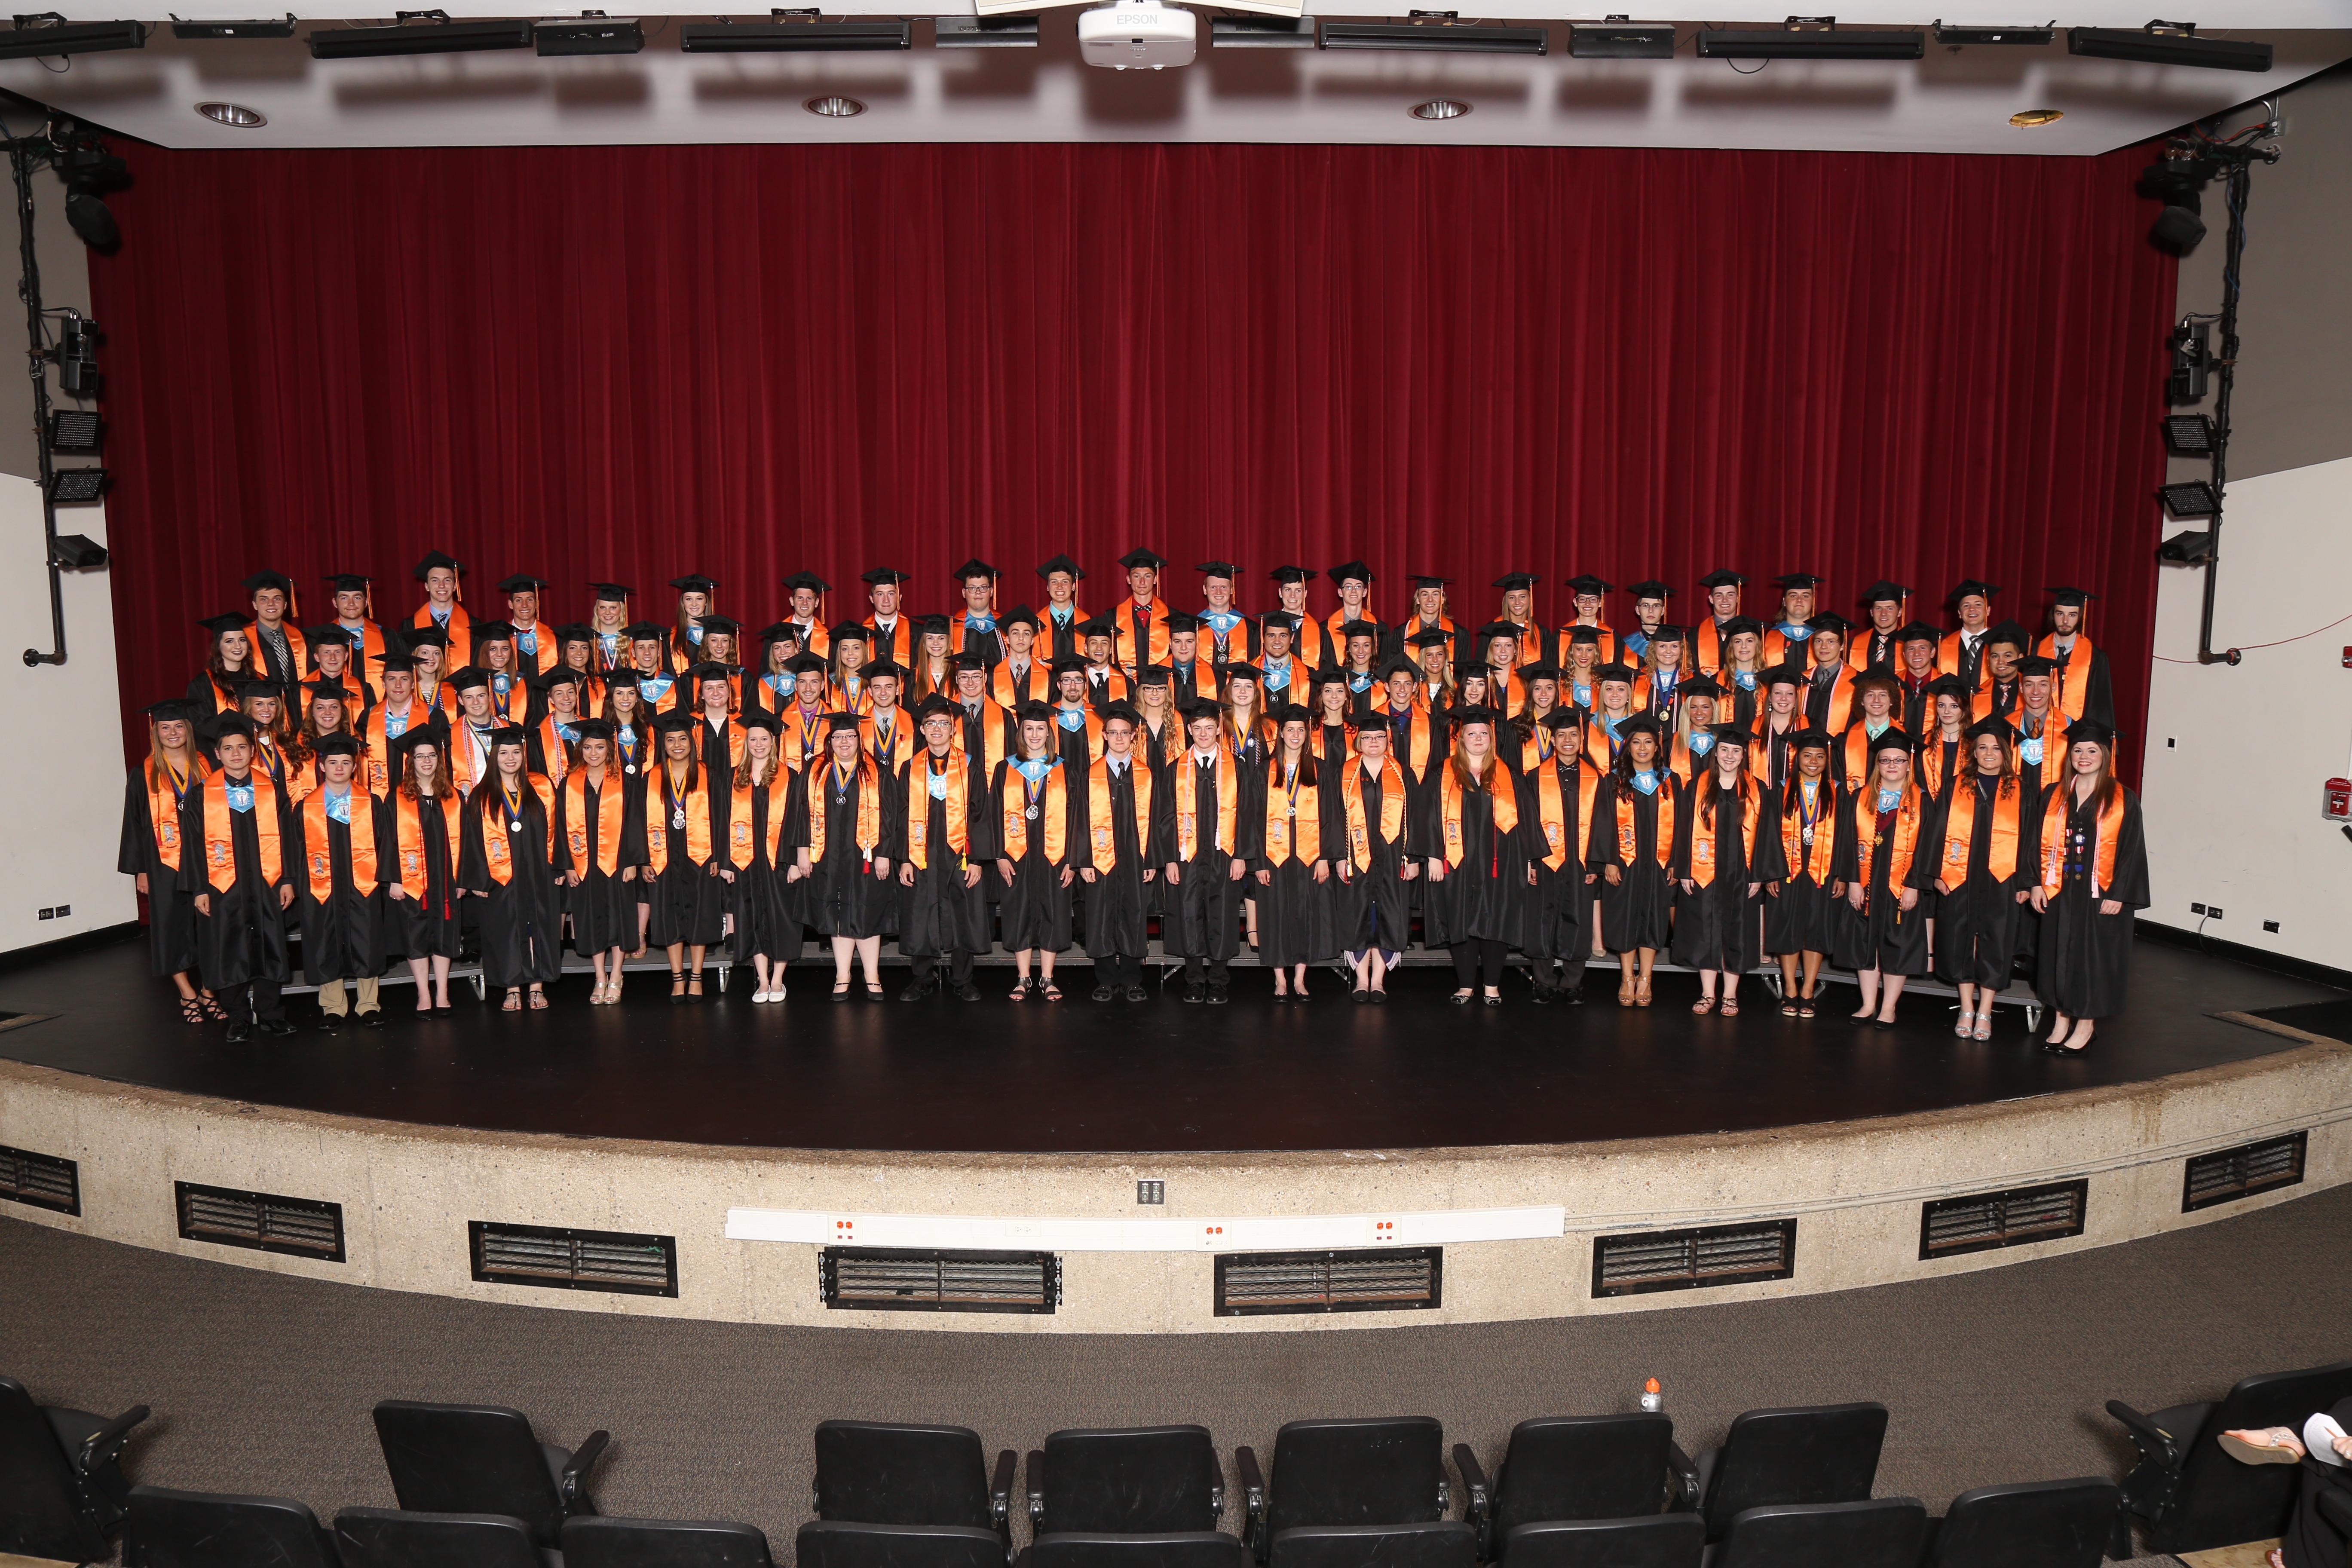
<point x="439" y="573"/>
<point x="2082" y="687"/>
<point x="275" y="636"/>
<point x="1142" y="619"/>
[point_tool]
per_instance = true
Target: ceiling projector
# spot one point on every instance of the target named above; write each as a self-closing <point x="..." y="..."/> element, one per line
<point x="1141" y="35"/>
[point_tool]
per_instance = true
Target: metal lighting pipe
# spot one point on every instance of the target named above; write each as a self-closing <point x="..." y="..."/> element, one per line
<point x="20" y="161"/>
<point x="2237" y="175"/>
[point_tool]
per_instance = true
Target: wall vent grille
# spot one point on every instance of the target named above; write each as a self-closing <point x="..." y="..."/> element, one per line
<point x="2226" y="1175"/>
<point x="1982" y="1221"/>
<point x="44" y="1181"/>
<point x="1262" y="1284"/>
<point x="922" y="1279"/>
<point x="267" y="1222"/>
<point x="559" y="1258"/>
<point x="1643" y="1261"/>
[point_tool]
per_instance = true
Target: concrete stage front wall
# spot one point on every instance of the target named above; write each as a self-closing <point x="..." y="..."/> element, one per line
<point x="1855" y="1188"/>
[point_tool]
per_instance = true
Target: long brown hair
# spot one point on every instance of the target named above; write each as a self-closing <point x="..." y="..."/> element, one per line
<point x="1744" y="788"/>
<point x="488" y="796"/>
<point x="442" y="788"/>
<point x="2008" y="776"/>
<point x="2103" y="794"/>
<point x="661" y="758"/>
<point x="1459" y="761"/>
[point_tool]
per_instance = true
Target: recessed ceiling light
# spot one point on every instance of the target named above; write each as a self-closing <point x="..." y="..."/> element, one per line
<point x="234" y="114"/>
<point x="834" y="107"/>
<point x="1440" y="109"/>
<point x="2030" y="118"/>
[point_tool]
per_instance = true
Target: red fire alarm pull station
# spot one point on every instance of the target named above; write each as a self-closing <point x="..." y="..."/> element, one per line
<point x="2337" y="806"/>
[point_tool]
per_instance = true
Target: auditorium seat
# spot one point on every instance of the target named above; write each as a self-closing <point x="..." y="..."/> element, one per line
<point x="1167" y="1549"/>
<point x="829" y="1543"/>
<point x="2027" y="1524"/>
<point x="1380" y="1470"/>
<point x="61" y="1481"/>
<point x="484" y="1458"/>
<point x="1124" y="1481"/>
<point x="1648" y="1541"/>
<point x="222" y="1529"/>
<point x="392" y="1538"/>
<point x="1570" y="1466"/>
<point x="1439" y="1544"/>
<point x="1809" y="1454"/>
<point x="1881" y="1534"/>
<point x="884" y="1472"/>
<point x="2191" y="1495"/>
<point x="590" y="1542"/>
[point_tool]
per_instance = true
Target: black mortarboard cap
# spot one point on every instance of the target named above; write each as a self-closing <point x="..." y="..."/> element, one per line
<point x="720" y="624"/>
<point x="336" y="746"/>
<point x="693" y="582"/>
<point x="1586" y="583"/>
<point x="217" y="625"/>
<point x="1224" y="569"/>
<point x="1294" y="574"/>
<point x="975" y="567"/>
<point x="521" y="582"/>
<point x="1140" y="557"/>
<point x="1721" y="579"/>
<point x="435" y="558"/>
<point x="880" y="575"/>
<point x="1973" y="586"/>
<point x="1883" y="590"/>
<point x="810" y="580"/>
<point x="1797" y="580"/>
<point x="1347" y="569"/>
<point x="1831" y="621"/>
<point x="1061" y="564"/>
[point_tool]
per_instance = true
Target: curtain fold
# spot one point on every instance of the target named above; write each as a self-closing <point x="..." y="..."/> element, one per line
<point x="628" y="363"/>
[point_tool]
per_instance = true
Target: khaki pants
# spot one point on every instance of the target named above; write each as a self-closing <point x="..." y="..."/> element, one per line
<point x="331" y="1001"/>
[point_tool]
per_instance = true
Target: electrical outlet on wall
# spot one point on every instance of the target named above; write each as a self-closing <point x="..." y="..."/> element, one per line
<point x="2214" y="910"/>
<point x="2270" y="926"/>
<point x="2196" y="909"/>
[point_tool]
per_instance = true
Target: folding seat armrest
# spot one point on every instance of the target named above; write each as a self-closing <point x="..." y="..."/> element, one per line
<point x="1036" y="1472"/>
<point x="101" y="1446"/>
<point x="1253" y="1501"/>
<point x="1682" y="1482"/>
<point x="2154" y="1441"/>
<point x="1216" y="1487"/>
<point x="1478" y="1506"/>
<point x="571" y="1487"/>
<point x="1000" y="1496"/>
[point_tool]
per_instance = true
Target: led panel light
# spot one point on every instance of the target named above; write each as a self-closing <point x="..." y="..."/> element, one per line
<point x="1620" y="40"/>
<point x="2167" y="50"/>
<point x="753" y="38"/>
<point x="71" y="38"/>
<point x="1262" y="31"/>
<point x="422" y="38"/>
<point x="2189" y="435"/>
<point x="993" y="32"/>
<point x="2194" y="499"/>
<point x="1441" y="39"/>
<point x="2031" y="38"/>
<point x="1836" y="44"/>
<point x="265" y="27"/>
<point x="77" y="484"/>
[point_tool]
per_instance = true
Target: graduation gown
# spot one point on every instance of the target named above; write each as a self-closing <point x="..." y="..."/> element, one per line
<point x="938" y="914"/>
<point x="244" y="938"/>
<point x="1199" y="911"/>
<point x="2085" y="958"/>
<point x="1484" y="896"/>
<point x="170" y="906"/>
<point x="1296" y="913"/>
<point x="1033" y="909"/>
<point x="844" y="897"/>
<point x="1881" y="934"/>
<point x="603" y="908"/>
<point x="1370" y="907"/>
<point x="521" y="919"/>
<point x="431" y="926"/>
<point x="1118" y="901"/>
<point x="1559" y="905"/>
<point x="1802" y="915"/>
<point x="1717" y="924"/>
<point x="1976" y="923"/>
<point x="689" y="902"/>
<point x="345" y="935"/>
<point x="1637" y="910"/>
<point x="766" y="918"/>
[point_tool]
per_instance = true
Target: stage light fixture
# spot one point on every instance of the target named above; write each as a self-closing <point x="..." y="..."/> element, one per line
<point x="2193" y="498"/>
<point x="833" y="106"/>
<point x="77" y="356"/>
<point x="1960" y="36"/>
<point x="77" y="485"/>
<point x="591" y="32"/>
<point x="2189" y="435"/>
<point x="50" y="34"/>
<point x="419" y="38"/>
<point x="1262" y="31"/>
<point x="2192" y="362"/>
<point x="757" y="37"/>
<point x="1437" y="37"/>
<point x="73" y="430"/>
<point x="234" y="115"/>
<point x="266" y="27"/>
<point x="1619" y="39"/>
<point x="2168" y="43"/>
<point x="1008" y="32"/>
<point x="1816" y="43"/>
<point x="76" y="552"/>
<point x="2190" y="549"/>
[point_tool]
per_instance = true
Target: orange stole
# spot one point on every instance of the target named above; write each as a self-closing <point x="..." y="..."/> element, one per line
<point x="321" y="860"/>
<point x="375" y="767"/>
<point x="658" y="809"/>
<point x="220" y="849"/>
<point x="902" y="641"/>
<point x="1188" y="798"/>
<point x="1037" y="684"/>
<point x="1610" y="644"/>
<point x="1629" y="835"/>
<point x="296" y="644"/>
<point x="869" y="807"/>
<point x="495" y="851"/>
<point x="1702" y="866"/>
<point x="2070" y="681"/>
<point x="1294" y="814"/>
<point x="610" y="811"/>
<point x="1552" y="815"/>
<point x="1814" y="860"/>
<point x="460" y="627"/>
<point x="902" y="739"/>
<point x="408" y="840"/>
<point x="1505" y="804"/>
<point x="1123" y="648"/>
<point x="991" y="734"/>
<point x="1706" y="645"/>
<point x="1315" y="742"/>
<point x="1239" y="646"/>
<point x="2053" y="738"/>
<point x="163" y="808"/>
<point x="551" y="750"/>
<point x="1103" y="842"/>
<point x="1959" y="832"/>
<point x="918" y="808"/>
<point x="1902" y="839"/>
<point x="1053" y="803"/>
<point x="740" y="848"/>
<point x="1351" y="794"/>
<point x="2053" y="842"/>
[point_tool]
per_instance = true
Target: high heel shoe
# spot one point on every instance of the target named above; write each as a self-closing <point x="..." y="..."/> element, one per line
<point x="1626" y="992"/>
<point x="676" y="987"/>
<point x="1640" y="993"/>
<point x="694" y="987"/>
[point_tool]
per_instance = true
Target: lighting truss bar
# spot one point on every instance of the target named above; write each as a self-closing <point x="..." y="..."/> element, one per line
<point x="591" y="35"/>
<point x="71" y="38"/>
<point x="748" y="38"/>
<point x="1014" y="32"/>
<point x="265" y="27"/>
<point x="1785" y="44"/>
<point x="424" y="39"/>
<point x="2167" y="50"/>
<point x="1262" y="31"/>
<point x="2031" y="37"/>
<point x="1621" y="41"/>
<point x="1441" y="39"/>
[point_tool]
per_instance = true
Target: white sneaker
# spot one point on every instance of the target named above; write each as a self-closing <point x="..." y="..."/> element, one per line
<point x="759" y="996"/>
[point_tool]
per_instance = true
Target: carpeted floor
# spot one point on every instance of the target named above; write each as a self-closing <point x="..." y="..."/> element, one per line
<point x="263" y="1384"/>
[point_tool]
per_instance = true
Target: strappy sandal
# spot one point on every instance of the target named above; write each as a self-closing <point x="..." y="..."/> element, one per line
<point x="513" y="1004"/>
<point x="1805" y="1005"/>
<point x="1730" y="1007"/>
<point x="214" y="1011"/>
<point x="1983" y="1031"/>
<point x="191" y="1010"/>
<point x="538" y="1000"/>
<point x="694" y="986"/>
<point x="1049" y="991"/>
<point x="1626" y="992"/>
<point x="2264" y="1446"/>
<point x="1641" y="994"/>
<point x="1788" y="1007"/>
<point x="1966" y="1027"/>
<point x="1022" y="985"/>
<point x="677" y="986"/>
<point x="1703" y="1006"/>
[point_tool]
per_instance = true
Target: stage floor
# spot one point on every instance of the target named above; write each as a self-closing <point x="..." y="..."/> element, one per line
<point x="1082" y="1076"/>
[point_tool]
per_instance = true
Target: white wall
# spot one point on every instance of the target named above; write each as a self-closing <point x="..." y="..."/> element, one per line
<point x="61" y="780"/>
<point x="2236" y="756"/>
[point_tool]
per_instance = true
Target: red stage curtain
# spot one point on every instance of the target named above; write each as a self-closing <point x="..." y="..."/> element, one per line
<point x="627" y="363"/>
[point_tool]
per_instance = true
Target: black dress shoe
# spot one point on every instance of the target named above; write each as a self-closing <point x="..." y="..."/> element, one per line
<point x="372" y="1020"/>
<point x="1380" y="998"/>
<point x="965" y="990"/>
<point x="1542" y="998"/>
<point x="240" y="1033"/>
<point x="1192" y="991"/>
<point x="1361" y="996"/>
<point x="1218" y="995"/>
<point x="333" y="1024"/>
<point x="1138" y="993"/>
<point x="1104" y="992"/>
<point x="1569" y="997"/>
<point x="916" y="991"/>
<point x="274" y="1026"/>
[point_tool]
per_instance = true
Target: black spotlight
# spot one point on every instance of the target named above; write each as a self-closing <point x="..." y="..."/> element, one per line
<point x="2194" y="497"/>
<point x="89" y="172"/>
<point x="2186" y="549"/>
<point x="2188" y="434"/>
<point x="74" y="430"/>
<point x="2192" y="361"/>
<point x="77" y="486"/>
<point x="77" y="348"/>
<point x="2177" y="184"/>
<point x="77" y="553"/>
